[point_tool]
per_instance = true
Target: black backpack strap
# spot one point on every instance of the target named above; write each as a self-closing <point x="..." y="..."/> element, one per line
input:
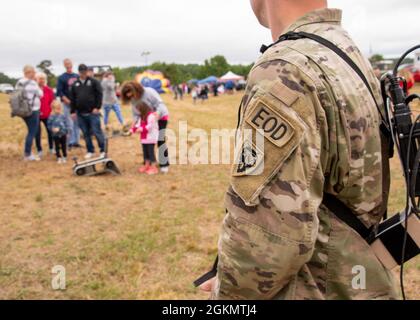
<point x="209" y="275"/>
<point x="344" y="213"/>
<point x="302" y="35"/>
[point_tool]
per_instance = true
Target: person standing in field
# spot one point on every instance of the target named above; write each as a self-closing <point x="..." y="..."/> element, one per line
<point x="194" y="94"/>
<point x="57" y="125"/>
<point x="204" y="93"/>
<point x="148" y="127"/>
<point x="86" y="102"/>
<point x="45" y="111"/>
<point x="110" y="99"/>
<point x="33" y="94"/>
<point x="64" y="83"/>
<point x="133" y="92"/>
<point x="281" y="238"/>
<point x="180" y="91"/>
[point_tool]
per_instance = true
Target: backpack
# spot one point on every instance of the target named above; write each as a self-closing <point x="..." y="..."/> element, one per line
<point x="19" y="103"/>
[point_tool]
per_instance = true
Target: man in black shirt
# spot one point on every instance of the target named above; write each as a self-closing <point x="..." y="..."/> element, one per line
<point x="86" y="101"/>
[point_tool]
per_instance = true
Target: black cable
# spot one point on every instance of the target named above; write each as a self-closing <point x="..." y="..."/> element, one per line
<point x="395" y="72"/>
<point x="411" y="179"/>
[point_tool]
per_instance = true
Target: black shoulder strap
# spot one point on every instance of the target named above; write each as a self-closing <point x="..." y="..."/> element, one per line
<point x="331" y="202"/>
<point x="209" y="275"/>
<point x="344" y="213"/>
<point x="301" y="35"/>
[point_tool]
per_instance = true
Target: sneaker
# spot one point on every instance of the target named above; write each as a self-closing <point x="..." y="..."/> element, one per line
<point x="164" y="170"/>
<point x="152" y="171"/>
<point x="59" y="160"/>
<point x="89" y="155"/>
<point x="29" y="158"/>
<point x="64" y="160"/>
<point x="37" y="158"/>
<point x="40" y="154"/>
<point x="51" y="151"/>
<point x="143" y="169"/>
<point x="102" y="155"/>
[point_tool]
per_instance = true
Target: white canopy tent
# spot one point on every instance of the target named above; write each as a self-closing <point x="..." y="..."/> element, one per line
<point x="230" y="76"/>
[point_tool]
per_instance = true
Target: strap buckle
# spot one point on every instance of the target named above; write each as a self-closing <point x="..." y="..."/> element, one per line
<point x="290" y="36"/>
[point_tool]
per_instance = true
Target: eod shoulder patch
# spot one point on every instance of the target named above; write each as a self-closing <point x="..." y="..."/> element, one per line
<point x="276" y="130"/>
<point x="275" y="127"/>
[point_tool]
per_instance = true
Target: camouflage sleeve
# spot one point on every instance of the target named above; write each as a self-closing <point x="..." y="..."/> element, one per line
<point x="271" y="224"/>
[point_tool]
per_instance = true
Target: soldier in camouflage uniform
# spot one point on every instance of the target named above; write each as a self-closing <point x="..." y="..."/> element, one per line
<point x="321" y="135"/>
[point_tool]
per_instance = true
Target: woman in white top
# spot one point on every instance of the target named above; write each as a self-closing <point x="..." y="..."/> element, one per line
<point x="33" y="94"/>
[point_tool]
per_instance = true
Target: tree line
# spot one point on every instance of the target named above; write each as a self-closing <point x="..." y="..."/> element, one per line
<point x="175" y="72"/>
<point x="179" y="73"/>
<point x="6" y="79"/>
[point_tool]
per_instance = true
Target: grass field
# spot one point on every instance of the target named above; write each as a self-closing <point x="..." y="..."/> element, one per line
<point x="126" y="237"/>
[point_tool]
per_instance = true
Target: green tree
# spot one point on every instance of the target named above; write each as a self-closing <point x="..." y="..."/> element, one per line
<point x="376" y="58"/>
<point x="215" y="66"/>
<point x="242" y="70"/>
<point x="6" y="79"/>
<point x="45" y="66"/>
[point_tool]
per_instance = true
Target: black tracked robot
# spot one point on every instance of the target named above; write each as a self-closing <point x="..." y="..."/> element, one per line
<point x="97" y="166"/>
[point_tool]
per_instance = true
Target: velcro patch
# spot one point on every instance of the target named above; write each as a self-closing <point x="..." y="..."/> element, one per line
<point x="273" y="127"/>
<point x="249" y="160"/>
<point x="276" y="128"/>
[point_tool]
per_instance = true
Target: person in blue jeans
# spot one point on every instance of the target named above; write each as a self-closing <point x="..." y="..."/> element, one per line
<point x="90" y="124"/>
<point x="110" y="99"/>
<point x="33" y="94"/>
<point x="64" y="83"/>
<point x="32" y="123"/>
<point x="86" y="101"/>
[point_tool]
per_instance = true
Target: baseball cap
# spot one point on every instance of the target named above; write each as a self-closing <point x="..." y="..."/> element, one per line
<point x="83" y="67"/>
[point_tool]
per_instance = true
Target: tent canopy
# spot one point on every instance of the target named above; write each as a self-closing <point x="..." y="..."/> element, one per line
<point x="230" y="76"/>
<point x="208" y="80"/>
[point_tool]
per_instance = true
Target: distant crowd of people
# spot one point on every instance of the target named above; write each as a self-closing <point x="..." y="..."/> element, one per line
<point x="78" y="106"/>
<point x="201" y="92"/>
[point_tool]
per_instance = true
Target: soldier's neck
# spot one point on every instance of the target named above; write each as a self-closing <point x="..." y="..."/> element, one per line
<point x="282" y="14"/>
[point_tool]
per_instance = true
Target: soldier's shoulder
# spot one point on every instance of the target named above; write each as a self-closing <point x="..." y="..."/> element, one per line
<point x="285" y="69"/>
<point x="284" y="51"/>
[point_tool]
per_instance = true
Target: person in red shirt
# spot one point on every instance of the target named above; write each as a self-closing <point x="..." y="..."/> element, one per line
<point x="45" y="112"/>
<point x="409" y="78"/>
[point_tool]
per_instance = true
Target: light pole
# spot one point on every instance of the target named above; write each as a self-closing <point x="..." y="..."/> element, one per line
<point x="145" y="54"/>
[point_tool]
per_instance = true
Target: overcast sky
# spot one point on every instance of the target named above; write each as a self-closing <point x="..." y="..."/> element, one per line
<point x="117" y="31"/>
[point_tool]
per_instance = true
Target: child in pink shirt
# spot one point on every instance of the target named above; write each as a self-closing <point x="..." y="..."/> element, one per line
<point x="148" y="127"/>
